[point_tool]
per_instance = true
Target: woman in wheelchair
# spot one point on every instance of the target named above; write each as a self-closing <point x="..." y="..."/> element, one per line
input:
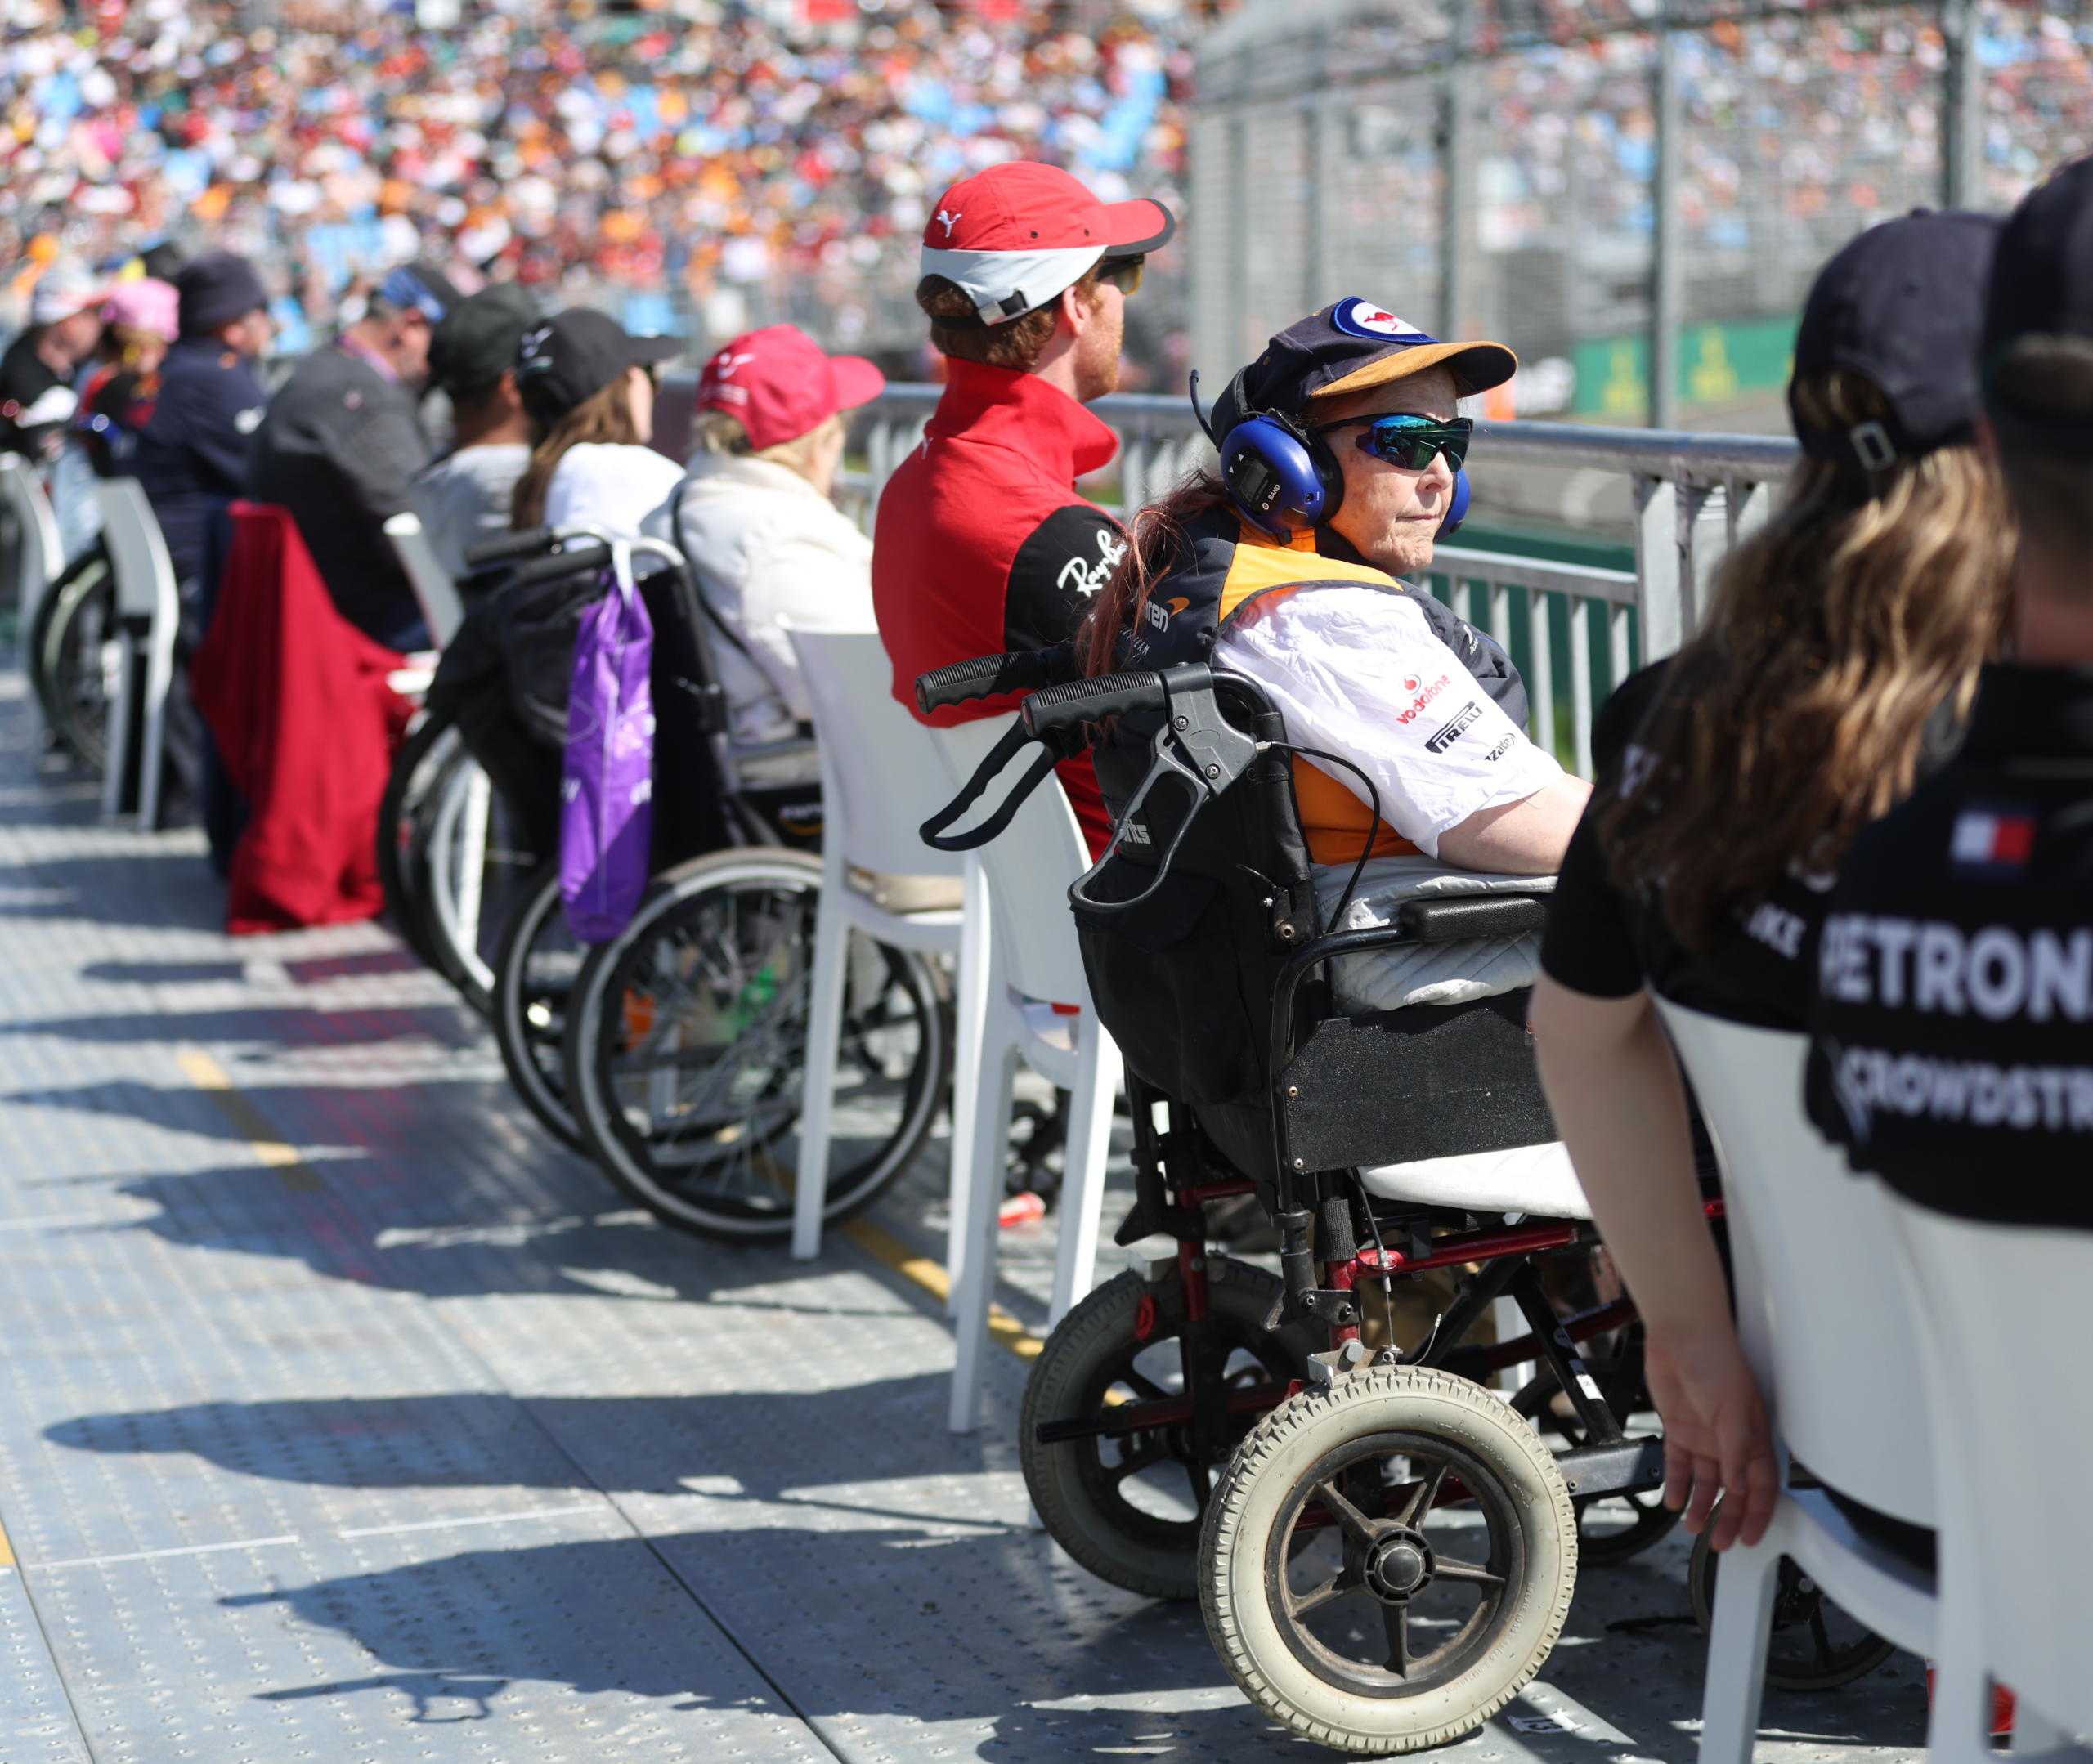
<point x="1384" y="1551"/>
<point x="1840" y="650"/>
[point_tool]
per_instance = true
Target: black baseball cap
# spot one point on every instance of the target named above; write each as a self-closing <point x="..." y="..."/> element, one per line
<point x="1349" y="346"/>
<point x="215" y="289"/>
<point x="476" y="343"/>
<point x="1902" y="305"/>
<point x="574" y="355"/>
<point x="2041" y="287"/>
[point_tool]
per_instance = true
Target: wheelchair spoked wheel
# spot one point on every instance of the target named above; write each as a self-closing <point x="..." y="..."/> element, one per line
<point x="467" y="872"/>
<point x="1438" y="1559"/>
<point x="686" y="1041"/>
<point x="422" y="759"/>
<point x="1128" y="1507"/>
<point x="1610" y="1528"/>
<point x="72" y="657"/>
<point x="1815" y="1644"/>
<point x="535" y="970"/>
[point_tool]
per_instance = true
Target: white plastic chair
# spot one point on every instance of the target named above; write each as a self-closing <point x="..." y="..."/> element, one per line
<point x="40" y="558"/>
<point x="2003" y="1310"/>
<point x="1822" y="1309"/>
<point x="880" y="780"/>
<point x="1027" y="999"/>
<point x="437" y="595"/>
<point x="149" y="610"/>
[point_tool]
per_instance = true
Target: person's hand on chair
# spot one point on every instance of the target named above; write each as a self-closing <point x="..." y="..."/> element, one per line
<point x="1717" y="1441"/>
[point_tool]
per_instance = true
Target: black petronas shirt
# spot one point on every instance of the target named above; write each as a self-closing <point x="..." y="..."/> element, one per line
<point x="1951" y="1034"/>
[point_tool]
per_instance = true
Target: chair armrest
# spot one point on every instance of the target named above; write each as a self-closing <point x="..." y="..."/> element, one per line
<point x="1441" y="918"/>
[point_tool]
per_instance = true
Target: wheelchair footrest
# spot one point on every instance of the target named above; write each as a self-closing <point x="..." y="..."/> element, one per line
<point x="1621" y="1467"/>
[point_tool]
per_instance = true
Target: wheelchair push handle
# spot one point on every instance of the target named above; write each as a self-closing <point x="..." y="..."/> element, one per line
<point x="508" y="545"/>
<point x="1056" y="708"/>
<point x="990" y="677"/>
<point x="560" y="563"/>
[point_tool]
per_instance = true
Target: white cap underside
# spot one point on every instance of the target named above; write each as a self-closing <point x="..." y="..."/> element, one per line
<point x="989" y="278"/>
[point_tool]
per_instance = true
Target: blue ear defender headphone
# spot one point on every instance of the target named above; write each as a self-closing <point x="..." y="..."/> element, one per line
<point x="1281" y="475"/>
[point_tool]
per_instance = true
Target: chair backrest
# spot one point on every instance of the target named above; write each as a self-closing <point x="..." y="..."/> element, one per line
<point x="2003" y="1312"/>
<point x="437" y="595"/>
<point x="881" y="777"/>
<point x="138" y="551"/>
<point x="43" y="556"/>
<point x="1028" y="866"/>
<point x="1821" y="1304"/>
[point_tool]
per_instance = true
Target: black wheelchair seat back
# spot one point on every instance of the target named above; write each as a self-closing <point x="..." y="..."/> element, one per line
<point x="1208" y="962"/>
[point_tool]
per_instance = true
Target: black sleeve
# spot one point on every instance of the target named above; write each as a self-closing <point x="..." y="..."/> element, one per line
<point x="1057" y="573"/>
<point x="1621" y="716"/>
<point x="1587" y="946"/>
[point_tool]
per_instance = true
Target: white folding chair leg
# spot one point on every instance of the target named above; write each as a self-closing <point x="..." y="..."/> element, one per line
<point x="2036" y="1735"/>
<point x="1737" y="1650"/>
<point x="976" y="976"/>
<point x="159" y="679"/>
<point x="991" y="1133"/>
<point x="122" y="709"/>
<point x="1959" y="1731"/>
<point x="817" y="1101"/>
<point x="1082" y="1179"/>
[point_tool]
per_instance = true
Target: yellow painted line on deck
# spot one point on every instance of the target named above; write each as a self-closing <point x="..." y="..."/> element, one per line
<point x="276" y="1152"/>
<point x="1003" y="1327"/>
<point x="6" y="1549"/>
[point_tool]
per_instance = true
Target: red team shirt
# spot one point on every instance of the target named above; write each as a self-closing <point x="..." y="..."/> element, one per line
<point x="983" y="547"/>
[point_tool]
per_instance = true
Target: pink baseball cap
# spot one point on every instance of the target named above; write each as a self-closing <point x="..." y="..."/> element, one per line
<point x="1015" y="235"/>
<point x="780" y="384"/>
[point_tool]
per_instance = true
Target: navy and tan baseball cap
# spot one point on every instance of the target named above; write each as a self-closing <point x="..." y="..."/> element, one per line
<point x="1352" y="346"/>
<point x="1901" y="305"/>
<point x="2041" y="293"/>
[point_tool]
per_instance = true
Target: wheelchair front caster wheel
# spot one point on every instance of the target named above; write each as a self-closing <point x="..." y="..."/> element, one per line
<point x="1816" y="1646"/>
<point x="1126" y="1506"/>
<point x="1388" y="1560"/>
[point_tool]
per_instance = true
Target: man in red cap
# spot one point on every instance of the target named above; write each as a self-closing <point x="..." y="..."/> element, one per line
<point x="982" y="543"/>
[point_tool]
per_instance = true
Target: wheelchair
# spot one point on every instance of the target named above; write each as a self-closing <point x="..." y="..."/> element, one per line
<point x="672" y="1055"/>
<point x="1383" y="1550"/>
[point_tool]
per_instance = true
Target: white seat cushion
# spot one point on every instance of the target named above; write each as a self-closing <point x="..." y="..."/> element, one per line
<point x="1524" y="1178"/>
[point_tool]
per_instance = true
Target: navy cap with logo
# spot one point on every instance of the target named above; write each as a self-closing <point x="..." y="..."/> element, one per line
<point x="1902" y="305"/>
<point x="2041" y="294"/>
<point x="1352" y="346"/>
<point x="574" y="355"/>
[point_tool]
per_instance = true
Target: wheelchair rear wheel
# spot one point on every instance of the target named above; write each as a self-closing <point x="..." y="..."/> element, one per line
<point x="71" y="656"/>
<point x="1128" y="1507"/>
<point x="685" y="1050"/>
<point x="1815" y="1646"/>
<point x="1388" y="1560"/>
<point x="534" y="975"/>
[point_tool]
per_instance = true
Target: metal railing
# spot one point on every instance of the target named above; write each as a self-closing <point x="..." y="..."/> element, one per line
<point x="1695" y="495"/>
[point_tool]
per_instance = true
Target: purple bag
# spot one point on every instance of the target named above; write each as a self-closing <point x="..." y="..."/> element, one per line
<point x="607" y="790"/>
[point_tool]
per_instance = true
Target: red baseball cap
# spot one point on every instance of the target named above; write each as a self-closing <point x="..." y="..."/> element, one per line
<point x="1015" y="235"/>
<point x="780" y="384"/>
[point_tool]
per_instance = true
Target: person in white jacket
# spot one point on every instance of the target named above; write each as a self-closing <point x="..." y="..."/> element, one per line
<point x="769" y="550"/>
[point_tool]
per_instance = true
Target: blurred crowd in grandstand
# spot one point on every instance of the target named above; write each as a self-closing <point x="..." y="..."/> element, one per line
<point x="700" y="160"/>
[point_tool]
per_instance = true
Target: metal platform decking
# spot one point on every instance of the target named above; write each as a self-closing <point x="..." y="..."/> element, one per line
<point x="348" y="1417"/>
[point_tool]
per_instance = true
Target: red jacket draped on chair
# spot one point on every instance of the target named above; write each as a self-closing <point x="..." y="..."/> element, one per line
<point x="298" y="700"/>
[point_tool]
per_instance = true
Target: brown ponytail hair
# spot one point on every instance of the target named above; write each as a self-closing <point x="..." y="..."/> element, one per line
<point x="1796" y="715"/>
<point x="1152" y="545"/>
<point x="604" y="416"/>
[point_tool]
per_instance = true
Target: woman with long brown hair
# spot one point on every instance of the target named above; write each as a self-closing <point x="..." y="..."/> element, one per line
<point x="1840" y="653"/>
<point x="589" y="388"/>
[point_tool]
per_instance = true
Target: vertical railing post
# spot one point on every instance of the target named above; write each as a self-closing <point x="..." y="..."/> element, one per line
<point x="1962" y="160"/>
<point x="1580" y="686"/>
<point x="1541" y="678"/>
<point x="1658" y="588"/>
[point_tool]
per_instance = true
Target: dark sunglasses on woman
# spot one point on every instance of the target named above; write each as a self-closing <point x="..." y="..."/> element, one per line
<point x="1412" y="442"/>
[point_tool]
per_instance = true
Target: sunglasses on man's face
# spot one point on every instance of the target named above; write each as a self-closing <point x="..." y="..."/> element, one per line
<point x="1123" y="273"/>
<point x="1412" y="442"/>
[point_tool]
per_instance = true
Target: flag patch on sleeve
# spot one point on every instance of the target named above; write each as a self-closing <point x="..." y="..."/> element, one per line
<point x="1992" y="840"/>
